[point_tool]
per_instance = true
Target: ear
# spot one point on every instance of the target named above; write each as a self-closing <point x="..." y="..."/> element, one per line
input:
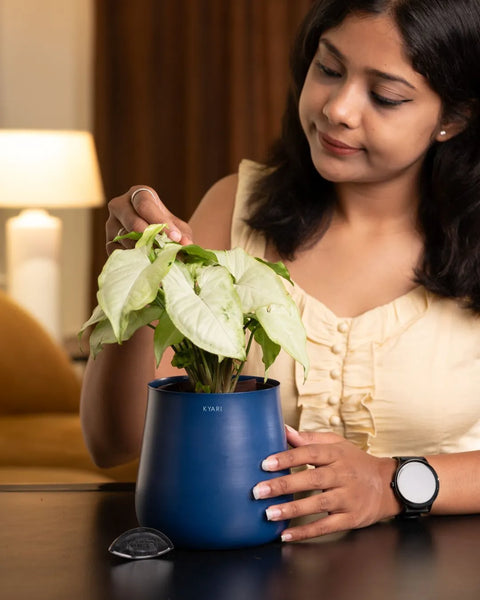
<point x="449" y="128"/>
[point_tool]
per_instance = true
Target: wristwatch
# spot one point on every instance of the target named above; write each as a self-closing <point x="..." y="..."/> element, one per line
<point x="415" y="484"/>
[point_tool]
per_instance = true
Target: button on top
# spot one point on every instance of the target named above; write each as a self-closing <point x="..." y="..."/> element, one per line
<point x="343" y="327"/>
<point x="335" y="420"/>
<point x="337" y="349"/>
<point x="333" y="400"/>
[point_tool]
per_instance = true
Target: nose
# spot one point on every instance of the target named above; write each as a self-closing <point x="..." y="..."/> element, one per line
<point x="344" y="106"/>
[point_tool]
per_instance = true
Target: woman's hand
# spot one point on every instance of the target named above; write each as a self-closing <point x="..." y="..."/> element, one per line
<point x="136" y="209"/>
<point x="356" y="486"/>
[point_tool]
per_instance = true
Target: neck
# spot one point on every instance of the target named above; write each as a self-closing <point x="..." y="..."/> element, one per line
<point x="377" y="206"/>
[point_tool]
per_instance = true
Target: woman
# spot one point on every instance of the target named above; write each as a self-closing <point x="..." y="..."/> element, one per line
<point x="371" y="198"/>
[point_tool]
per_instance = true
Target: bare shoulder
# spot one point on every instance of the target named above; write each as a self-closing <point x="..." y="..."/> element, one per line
<point x="211" y="221"/>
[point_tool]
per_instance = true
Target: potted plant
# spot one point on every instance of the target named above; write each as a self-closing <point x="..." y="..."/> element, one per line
<point x="206" y="434"/>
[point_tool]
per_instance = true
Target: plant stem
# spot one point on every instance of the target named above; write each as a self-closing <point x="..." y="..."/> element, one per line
<point x="206" y="371"/>
<point x="236" y="377"/>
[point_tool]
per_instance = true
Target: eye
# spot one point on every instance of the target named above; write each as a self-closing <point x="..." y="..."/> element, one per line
<point x="327" y="71"/>
<point x="387" y="102"/>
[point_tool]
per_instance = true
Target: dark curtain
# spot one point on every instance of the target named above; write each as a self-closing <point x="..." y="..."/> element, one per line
<point x="184" y="89"/>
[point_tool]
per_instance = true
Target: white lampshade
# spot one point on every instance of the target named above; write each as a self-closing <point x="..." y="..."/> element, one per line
<point x="49" y="169"/>
<point x="43" y="169"/>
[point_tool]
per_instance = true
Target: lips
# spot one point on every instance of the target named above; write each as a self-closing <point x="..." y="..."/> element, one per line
<point x="336" y="146"/>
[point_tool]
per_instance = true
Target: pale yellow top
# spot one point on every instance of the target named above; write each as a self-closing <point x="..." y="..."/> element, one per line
<point x="400" y="379"/>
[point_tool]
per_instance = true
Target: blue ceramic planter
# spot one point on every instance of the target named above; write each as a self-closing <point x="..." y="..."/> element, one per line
<point x="201" y="457"/>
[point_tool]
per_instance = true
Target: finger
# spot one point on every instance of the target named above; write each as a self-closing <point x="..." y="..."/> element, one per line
<point x="302" y="438"/>
<point x="309" y="454"/>
<point x="122" y="218"/>
<point x="185" y="231"/>
<point x="123" y="214"/>
<point x="147" y="205"/>
<point x="325" y="525"/>
<point x="113" y="244"/>
<point x="151" y="209"/>
<point x="308" y="479"/>
<point x="323" y="502"/>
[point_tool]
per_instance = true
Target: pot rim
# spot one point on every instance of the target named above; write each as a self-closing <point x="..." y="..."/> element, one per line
<point x="163" y="382"/>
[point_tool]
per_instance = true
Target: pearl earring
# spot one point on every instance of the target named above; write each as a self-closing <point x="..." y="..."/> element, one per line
<point x="443" y="132"/>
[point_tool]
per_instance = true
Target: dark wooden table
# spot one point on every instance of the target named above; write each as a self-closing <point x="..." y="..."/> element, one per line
<point x="54" y="540"/>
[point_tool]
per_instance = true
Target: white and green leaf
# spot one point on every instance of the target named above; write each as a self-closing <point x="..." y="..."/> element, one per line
<point x="279" y="268"/>
<point x="149" y="236"/>
<point x="198" y="299"/>
<point x="270" y="349"/>
<point x="283" y="325"/>
<point x="129" y="282"/>
<point x="256" y="283"/>
<point x="103" y="332"/>
<point x="199" y="254"/>
<point x="166" y="334"/>
<point x="96" y="316"/>
<point x="206" y="310"/>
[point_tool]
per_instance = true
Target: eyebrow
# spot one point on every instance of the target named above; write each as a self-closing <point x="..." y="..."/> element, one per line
<point x="388" y="76"/>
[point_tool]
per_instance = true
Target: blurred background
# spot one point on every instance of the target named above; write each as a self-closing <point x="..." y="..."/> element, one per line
<point x="46" y="61"/>
<point x="176" y="93"/>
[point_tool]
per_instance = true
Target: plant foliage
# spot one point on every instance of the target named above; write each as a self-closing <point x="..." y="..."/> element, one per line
<point x="209" y="306"/>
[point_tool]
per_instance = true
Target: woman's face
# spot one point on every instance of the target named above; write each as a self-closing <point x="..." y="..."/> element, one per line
<point x="368" y="116"/>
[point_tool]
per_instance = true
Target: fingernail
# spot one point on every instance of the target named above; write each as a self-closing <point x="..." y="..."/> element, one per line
<point x="273" y="513"/>
<point x="261" y="490"/>
<point x="290" y="429"/>
<point x="175" y="236"/>
<point x="286" y="537"/>
<point x="269" y="464"/>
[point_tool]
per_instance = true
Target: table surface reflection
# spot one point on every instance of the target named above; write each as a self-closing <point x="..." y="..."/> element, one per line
<point x="54" y="540"/>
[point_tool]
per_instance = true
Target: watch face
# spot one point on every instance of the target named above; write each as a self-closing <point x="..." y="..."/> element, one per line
<point x="416" y="482"/>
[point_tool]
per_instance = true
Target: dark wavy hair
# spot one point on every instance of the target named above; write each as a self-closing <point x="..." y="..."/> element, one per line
<point x="292" y="204"/>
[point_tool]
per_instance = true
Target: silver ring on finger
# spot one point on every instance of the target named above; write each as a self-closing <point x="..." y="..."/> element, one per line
<point x="142" y="189"/>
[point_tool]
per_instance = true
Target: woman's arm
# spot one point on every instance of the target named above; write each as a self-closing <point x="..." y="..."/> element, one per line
<point x="114" y="388"/>
<point x="459" y="476"/>
<point x="355" y="486"/>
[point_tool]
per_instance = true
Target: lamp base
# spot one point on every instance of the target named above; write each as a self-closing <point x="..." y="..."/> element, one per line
<point x="33" y="271"/>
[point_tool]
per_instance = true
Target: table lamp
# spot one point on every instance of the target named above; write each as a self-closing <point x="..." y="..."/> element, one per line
<point x="42" y="169"/>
